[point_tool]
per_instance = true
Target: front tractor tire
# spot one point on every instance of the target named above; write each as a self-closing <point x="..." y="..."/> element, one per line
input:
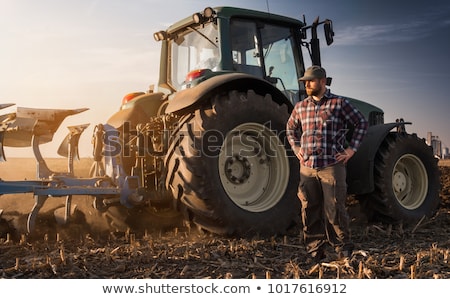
<point x="230" y="170"/>
<point x="407" y="181"/>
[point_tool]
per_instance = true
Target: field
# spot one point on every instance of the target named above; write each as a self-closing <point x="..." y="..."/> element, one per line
<point x="418" y="251"/>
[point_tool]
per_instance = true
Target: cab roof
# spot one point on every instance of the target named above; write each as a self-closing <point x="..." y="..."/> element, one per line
<point x="227" y="12"/>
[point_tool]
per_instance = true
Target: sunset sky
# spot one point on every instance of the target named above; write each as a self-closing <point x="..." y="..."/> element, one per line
<point x="90" y="53"/>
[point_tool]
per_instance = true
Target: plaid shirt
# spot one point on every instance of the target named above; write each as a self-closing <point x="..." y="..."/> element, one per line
<point x="319" y="129"/>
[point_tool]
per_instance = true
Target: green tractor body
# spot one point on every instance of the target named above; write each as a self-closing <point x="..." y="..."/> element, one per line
<point x="227" y="84"/>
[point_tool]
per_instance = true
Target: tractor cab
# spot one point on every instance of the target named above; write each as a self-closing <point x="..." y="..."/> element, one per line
<point x="226" y="39"/>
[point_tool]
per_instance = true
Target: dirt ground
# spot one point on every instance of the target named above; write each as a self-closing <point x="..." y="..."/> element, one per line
<point x="382" y="251"/>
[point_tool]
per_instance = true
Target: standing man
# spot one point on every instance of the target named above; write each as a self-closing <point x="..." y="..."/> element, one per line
<point x="316" y="131"/>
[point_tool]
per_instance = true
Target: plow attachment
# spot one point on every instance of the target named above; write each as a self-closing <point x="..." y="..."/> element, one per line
<point x="104" y="191"/>
<point x="33" y="127"/>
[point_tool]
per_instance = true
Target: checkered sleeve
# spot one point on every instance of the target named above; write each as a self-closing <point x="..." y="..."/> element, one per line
<point x="293" y="128"/>
<point x="357" y="119"/>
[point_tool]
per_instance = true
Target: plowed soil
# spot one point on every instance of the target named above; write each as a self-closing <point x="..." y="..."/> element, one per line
<point x="382" y="251"/>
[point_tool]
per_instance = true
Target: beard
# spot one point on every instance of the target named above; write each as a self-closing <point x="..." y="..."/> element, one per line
<point x="313" y="91"/>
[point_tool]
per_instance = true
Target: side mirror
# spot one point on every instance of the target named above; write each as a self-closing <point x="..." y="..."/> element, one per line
<point x="329" y="33"/>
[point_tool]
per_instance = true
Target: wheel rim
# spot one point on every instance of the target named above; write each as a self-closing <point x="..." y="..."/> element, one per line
<point x="410" y="182"/>
<point x="253" y="166"/>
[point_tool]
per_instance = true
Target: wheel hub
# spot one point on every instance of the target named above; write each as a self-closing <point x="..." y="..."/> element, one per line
<point x="399" y="181"/>
<point x="237" y="169"/>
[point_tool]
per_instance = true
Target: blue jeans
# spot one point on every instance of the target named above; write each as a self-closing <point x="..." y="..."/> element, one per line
<point x="323" y="194"/>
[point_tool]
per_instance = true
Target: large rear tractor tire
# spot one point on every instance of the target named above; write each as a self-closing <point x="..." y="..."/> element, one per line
<point x="230" y="169"/>
<point x="407" y="181"/>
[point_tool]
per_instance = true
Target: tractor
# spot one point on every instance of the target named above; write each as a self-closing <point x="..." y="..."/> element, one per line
<point x="208" y="144"/>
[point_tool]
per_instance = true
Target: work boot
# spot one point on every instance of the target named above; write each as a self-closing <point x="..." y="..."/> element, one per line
<point x="345" y="254"/>
<point x="318" y="255"/>
<point x="345" y="251"/>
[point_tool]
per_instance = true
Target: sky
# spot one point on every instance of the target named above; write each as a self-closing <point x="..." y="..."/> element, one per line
<point x="90" y="53"/>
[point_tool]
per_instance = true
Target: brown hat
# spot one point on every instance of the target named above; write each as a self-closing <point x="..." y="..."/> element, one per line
<point x="314" y="72"/>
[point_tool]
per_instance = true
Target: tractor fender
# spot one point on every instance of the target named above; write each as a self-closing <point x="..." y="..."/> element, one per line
<point x="139" y="110"/>
<point x="189" y="98"/>
<point x="360" y="168"/>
